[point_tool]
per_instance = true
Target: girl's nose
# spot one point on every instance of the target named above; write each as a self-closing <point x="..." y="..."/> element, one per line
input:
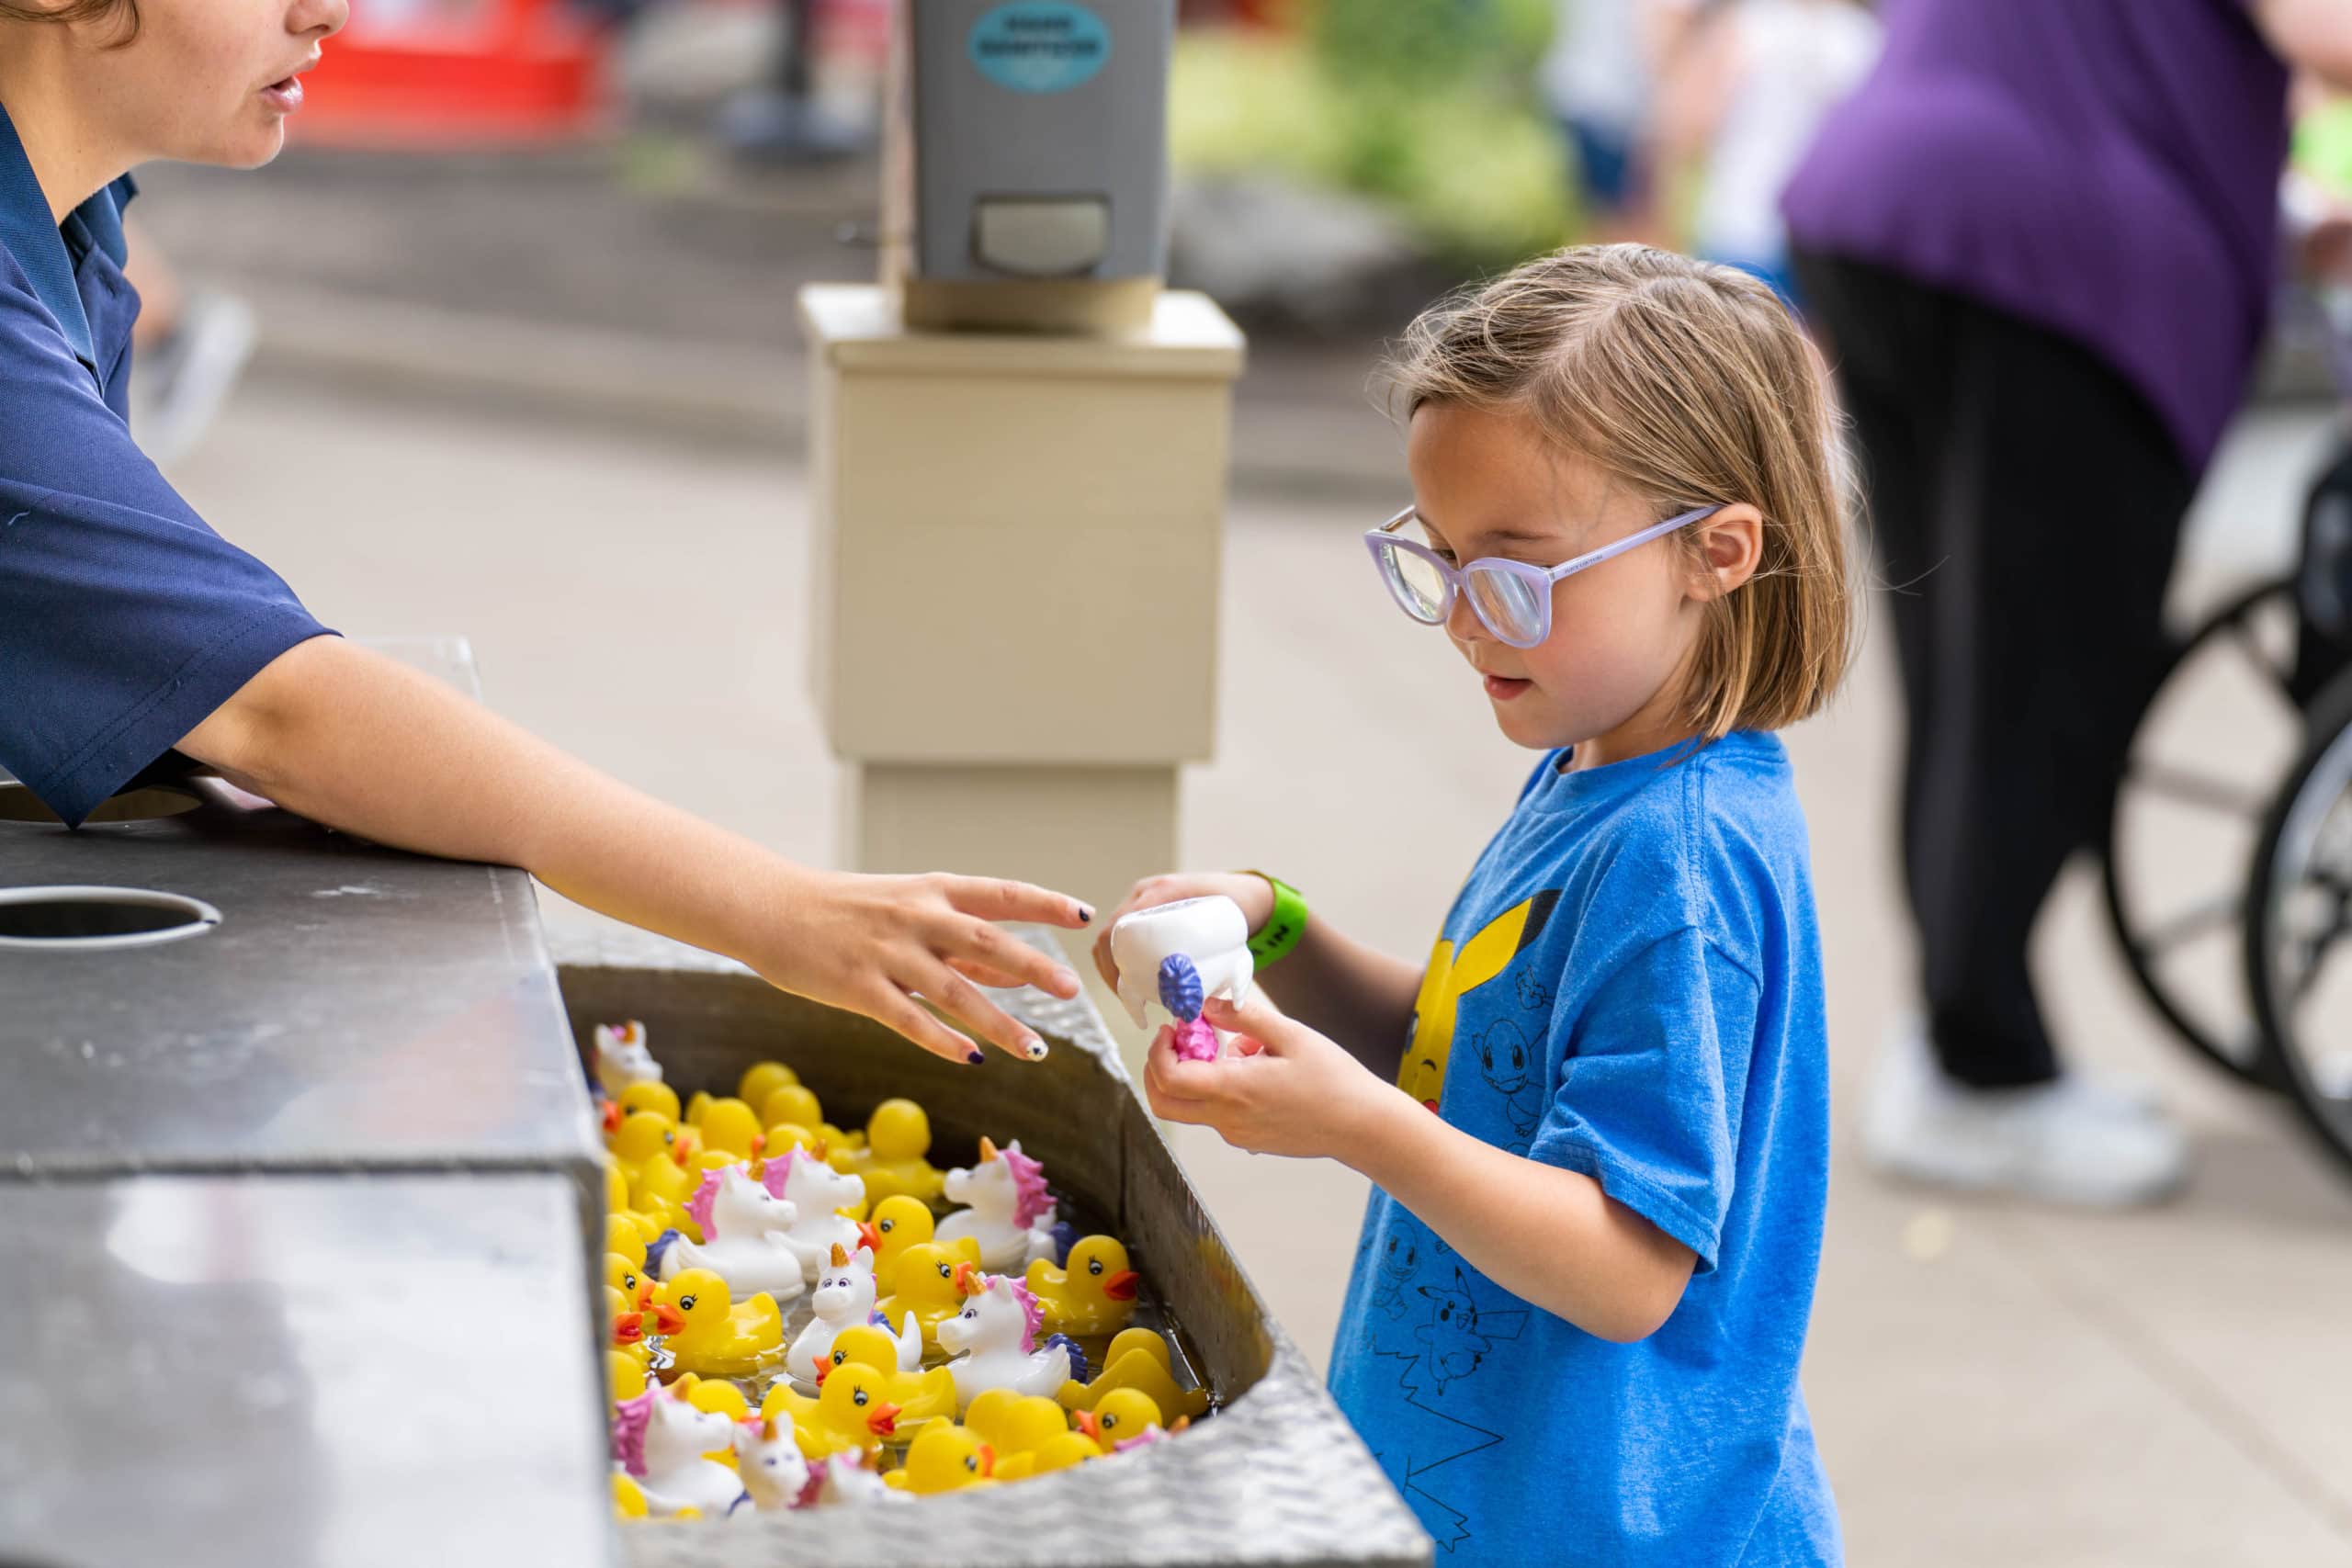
<point x="320" y="18"/>
<point x="1462" y="622"/>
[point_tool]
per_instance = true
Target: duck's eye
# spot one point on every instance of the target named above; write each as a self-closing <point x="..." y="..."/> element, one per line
<point x="972" y="1464"/>
<point x="1094" y="1265"/>
<point x="1109" y="1422"/>
<point x="628" y="1281"/>
<point x="859" y="1396"/>
<point x="840" y="1356"/>
<point x="685" y="1303"/>
<point x="887" y="1227"/>
<point x="945" y="1272"/>
<point x="669" y="1137"/>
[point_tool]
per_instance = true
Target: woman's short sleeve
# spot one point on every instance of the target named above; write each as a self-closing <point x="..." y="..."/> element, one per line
<point x="124" y="619"/>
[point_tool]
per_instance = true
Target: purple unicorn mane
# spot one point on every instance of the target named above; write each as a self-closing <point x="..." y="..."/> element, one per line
<point x="630" y="1418"/>
<point x="699" y="1205"/>
<point x="1030" y="1199"/>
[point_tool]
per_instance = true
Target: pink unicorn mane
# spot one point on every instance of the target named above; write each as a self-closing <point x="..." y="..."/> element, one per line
<point x="630" y="1418"/>
<point x="699" y="1205"/>
<point x="1033" y="1311"/>
<point x="1030" y="1199"/>
<point x="778" y="1173"/>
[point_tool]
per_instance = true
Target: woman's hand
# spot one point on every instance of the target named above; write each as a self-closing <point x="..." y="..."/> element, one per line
<point x="873" y="944"/>
<point x="1286" y="1090"/>
<point x="1252" y="892"/>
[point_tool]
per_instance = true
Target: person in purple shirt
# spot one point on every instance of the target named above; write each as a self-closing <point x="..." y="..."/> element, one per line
<point x="2040" y="243"/>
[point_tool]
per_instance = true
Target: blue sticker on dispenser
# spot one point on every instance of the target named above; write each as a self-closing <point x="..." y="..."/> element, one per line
<point x="1040" y="46"/>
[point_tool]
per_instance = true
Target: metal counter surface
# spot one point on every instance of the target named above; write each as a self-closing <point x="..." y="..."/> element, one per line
<point x="355" y="1008"/>
<point x="329" y="1371"/>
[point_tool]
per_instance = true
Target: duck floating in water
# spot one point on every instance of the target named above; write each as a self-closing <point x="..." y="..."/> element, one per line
<point x="994" y="1341"/>
<point x="850" y="1413"/>
<point x="931" y="1285"/>
<point x="893" y="1162"/>
<point x="1095" y="1295"/>
<point x="1010" y="1214"/>
<point x="1017" y="1427"/>
<point x="945" y="1459"/>
<point x="704" y="1331"/>
<point x="1138" y="1358"/>
<point x="921" y="1396"/>
<point x="898" y="1222"/>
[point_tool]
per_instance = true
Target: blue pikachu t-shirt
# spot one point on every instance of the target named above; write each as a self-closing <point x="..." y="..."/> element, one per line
<point x="1629" y="987"/>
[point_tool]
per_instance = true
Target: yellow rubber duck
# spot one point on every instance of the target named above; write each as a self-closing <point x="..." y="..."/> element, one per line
<point x="660" y="1190"/>
<point x="627" y="1292"/>
<point x="1095" y="1295"/>
<point x="709" y="1333"/>
<point x="921" y="1396"/>
<point x="626" y="1376"/>
<point x="928" y="1286"/>
<point x="898" y="1224"/>
<point x="897" y="1136"/>
<point x="1017" y="1426"/>
<point x="849" y="1413"/>
<point x="1055" y="1453"/>
<point x="761" y="1079"/>
<point x="794" y="1105"/>
<point x="1124" y="1414"/>
<point x="656" y="1096"/>
<point x="1137" y="1359"/>
<point x="945" y="1459"/>
<point x="642" y="1136"/>
<point x="732" y="1125"/>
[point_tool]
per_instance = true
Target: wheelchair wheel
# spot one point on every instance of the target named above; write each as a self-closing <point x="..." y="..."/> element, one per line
<point x="2298" y="924"/>
<point x="2197" y="786"/>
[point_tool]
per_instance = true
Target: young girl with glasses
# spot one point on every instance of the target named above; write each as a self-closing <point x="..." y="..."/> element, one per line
<point x="1580" y="1296"/>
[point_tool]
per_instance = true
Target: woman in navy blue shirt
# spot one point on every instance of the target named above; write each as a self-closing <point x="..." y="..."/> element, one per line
<point x="131" y="633"/>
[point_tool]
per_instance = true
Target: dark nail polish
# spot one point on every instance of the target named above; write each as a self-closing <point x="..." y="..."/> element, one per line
<point x="1037" y="1050"/>
<point x="976" y="1057"/>
<point x="1085" y="916"/>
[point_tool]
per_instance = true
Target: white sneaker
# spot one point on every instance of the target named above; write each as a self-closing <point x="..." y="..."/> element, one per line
<point x="2073" y="1140"/>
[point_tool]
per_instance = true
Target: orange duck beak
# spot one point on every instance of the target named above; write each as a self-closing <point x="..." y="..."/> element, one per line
<point x="1088" y="1424"/>
<point x="667" y="1319"/>
<point x="885" y="1419"/>
<point x="966" y="1280"/>
<point x="868" y="1237"/>
<point x="629" y="1328"/>
<point x="823" y="1366"/>
<point x="1121" y="1286"/>
<point x="610" y="1114"/>
<point x="988" y="1460"/>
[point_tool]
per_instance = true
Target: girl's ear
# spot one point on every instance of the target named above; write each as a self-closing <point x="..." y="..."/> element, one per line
<point x="1731" y="545"/>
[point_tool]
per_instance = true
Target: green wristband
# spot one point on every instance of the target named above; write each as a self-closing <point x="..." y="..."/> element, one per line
<point x="1283" y="927"/>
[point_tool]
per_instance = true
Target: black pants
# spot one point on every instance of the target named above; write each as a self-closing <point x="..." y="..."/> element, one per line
<point x="2026" y="504"/>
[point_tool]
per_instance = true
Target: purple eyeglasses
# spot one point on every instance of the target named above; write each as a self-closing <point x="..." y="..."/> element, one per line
<point x="1511" y="599"/>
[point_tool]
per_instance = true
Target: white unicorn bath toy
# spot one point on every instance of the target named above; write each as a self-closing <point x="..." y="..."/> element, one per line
<point x="1212" y="933"/>
<point x="816" y="1190"/>
<point x="776" y="1474"/>
<point x="660" y="1439"/>
<point x="1012" y="1214"/>
<point x="622" y="1058"/>
<point x="747" y="1233"/>
<point x="843" y="1299"/>
<point x="847" y="1478"/>
<point x="997" y="1335"/>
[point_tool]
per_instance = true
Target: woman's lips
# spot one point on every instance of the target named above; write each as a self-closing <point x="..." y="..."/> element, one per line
<point x="1502" y="688"/>
<point x="284" y="94"/>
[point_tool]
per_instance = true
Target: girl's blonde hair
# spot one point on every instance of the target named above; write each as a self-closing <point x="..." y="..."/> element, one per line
<point x="1690" y="383"/>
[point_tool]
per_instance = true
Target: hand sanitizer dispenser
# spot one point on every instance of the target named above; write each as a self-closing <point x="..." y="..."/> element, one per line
<point x="1026" y="182"/>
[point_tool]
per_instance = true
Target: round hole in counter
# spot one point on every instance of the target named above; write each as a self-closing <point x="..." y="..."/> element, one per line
<point x="19" y="803"/>
<point x="84" y="919"/>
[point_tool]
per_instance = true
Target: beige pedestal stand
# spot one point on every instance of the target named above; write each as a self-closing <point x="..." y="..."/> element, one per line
<point x="1017" y="543"/>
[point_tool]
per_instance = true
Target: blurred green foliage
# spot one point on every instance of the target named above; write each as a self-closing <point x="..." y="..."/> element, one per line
<point x="1427" y="106"/>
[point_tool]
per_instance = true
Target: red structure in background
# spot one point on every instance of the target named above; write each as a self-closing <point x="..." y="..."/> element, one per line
<point x="466" y="72"/>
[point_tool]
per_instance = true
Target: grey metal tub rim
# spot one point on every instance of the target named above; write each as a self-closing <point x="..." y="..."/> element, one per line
<point x="1275" y="1476"/>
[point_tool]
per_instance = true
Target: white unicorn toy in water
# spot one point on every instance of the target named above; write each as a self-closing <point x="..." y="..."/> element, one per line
<point x="1012" y="1214"/>
<point x="776" y="1474"/>
<point x="816" y="1190"/>
<point x="844" y="1298"/>
<point x="997" y="1334"/>
<point x="747" y="1238"/>
<point x="622" y="1058"/>
<point x="661" y="1440"/>
<point x="847" y="1478"/>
